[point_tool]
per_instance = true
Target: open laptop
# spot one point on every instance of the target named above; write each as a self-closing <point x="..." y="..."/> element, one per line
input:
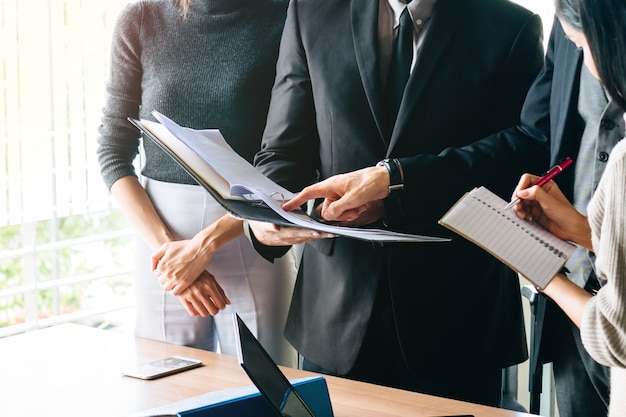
<point x="262" y="370"/>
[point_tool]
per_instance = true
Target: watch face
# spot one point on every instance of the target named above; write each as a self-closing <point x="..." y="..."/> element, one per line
<point x="382" y="162"/>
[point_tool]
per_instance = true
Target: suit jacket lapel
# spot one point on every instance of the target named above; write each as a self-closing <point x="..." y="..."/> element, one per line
<point x="364" y="18"/>
<point x="442" y="27"/>
<point x="570" y="91"/>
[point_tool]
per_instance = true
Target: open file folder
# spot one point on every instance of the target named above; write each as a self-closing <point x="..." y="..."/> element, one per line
<point x="243" y="402"/>
<point x="242" y="190"/>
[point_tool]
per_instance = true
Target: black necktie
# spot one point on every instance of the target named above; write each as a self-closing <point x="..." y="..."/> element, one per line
<point x="400" y="66"/>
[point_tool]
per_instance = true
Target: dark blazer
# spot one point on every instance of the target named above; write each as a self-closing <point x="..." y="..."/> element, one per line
<point x="454" y="305"/>
<point x="549" y="130"/>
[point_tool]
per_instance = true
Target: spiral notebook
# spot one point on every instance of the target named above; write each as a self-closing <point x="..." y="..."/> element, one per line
<point x="524" y="246"/>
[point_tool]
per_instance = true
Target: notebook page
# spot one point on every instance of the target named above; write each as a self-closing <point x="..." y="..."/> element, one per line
<point x="524" y="246"/>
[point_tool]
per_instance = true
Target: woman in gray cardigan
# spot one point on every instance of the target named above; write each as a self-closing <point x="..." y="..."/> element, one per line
<point x="205" y="64"/>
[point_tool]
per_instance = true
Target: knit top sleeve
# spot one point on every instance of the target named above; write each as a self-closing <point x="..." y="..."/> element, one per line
<point x="118" y="140"/>
<point x="603" y="327"/>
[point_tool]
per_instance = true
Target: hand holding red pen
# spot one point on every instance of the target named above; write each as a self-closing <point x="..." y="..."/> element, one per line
<point x="544" y="179"/>
<point x="548" y="206"/>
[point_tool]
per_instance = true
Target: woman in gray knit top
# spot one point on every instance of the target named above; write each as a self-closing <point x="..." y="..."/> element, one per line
<point x="205" y="64"/>
<point x="601" y="318"/>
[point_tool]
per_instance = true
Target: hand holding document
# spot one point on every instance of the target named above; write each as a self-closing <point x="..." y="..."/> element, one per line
<point x="550" y="208"/>
<point x="239" y="187"/>
<point x="481" y="217"/>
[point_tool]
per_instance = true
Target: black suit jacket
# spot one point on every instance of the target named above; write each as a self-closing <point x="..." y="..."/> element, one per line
<point x="454" y="305"/>
<point x="549" y="130"/>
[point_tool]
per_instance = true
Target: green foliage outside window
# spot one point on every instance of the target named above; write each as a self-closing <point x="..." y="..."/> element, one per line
<point x="49" y="262"/>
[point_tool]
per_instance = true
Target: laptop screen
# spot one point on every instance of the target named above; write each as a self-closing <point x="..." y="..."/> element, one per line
<point x="264" y="373"/>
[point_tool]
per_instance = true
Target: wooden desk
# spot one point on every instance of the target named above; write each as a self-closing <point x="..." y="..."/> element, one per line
<point x="74" y="371"/>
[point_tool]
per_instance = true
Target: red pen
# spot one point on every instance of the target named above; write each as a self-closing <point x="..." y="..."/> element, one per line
<point x="553" y="172"/>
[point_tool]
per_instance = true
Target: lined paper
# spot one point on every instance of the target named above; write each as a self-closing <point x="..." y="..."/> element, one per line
<point x="524" y="246"/>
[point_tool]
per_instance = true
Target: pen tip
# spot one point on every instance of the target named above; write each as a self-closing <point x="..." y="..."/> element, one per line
<point x="511" y="204"/>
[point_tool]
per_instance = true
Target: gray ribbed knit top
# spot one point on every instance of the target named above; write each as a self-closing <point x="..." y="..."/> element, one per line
<point x="215" y="69"/>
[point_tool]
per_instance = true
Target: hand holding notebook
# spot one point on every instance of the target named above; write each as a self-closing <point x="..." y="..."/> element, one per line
<point x="526" y="247"/>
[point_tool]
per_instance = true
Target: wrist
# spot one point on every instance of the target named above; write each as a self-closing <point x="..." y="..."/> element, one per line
<point x="556" y="285"/>
<point x="584" y="234"/>
<point x="396" y="175"/>
<point x="219" y="233"/>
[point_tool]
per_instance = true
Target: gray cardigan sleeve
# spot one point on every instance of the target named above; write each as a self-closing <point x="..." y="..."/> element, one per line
<point x="118" y="140"/>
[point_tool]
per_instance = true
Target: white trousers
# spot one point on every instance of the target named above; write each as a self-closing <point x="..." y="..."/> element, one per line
<point x="259" y="291"/>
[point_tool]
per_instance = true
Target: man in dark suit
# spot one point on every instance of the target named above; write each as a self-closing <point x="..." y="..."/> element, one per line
<point x="437" y="318"/>
<point x="558" y="119"/>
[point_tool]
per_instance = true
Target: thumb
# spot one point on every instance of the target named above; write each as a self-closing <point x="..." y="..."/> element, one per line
<point x="335" y="210"/>
<point x="523" y="194"/>
<point x="156" y="256"/>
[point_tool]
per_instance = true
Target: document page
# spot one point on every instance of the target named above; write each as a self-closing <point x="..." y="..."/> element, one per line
<point x="232" y="167"/>
<point x="303" y="220"/>
<point x="211" y="160"/>
<point x="193" y="160"/>
<point x="524" y="246"/>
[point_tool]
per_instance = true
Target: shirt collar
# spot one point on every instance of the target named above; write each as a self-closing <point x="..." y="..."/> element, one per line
<point x="420" y="11"/>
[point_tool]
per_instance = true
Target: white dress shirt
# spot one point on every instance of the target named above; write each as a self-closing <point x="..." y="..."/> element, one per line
<point x="389" y="12"/>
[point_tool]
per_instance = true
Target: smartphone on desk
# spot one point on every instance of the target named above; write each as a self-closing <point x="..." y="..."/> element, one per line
<point x="162" y="367"/>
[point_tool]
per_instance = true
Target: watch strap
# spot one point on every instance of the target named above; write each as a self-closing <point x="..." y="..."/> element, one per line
<point x="396" y="175"/>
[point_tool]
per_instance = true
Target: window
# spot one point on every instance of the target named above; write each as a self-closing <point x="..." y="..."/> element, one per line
<point x="65" y="251"/>
<point x="545" y="9"/>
